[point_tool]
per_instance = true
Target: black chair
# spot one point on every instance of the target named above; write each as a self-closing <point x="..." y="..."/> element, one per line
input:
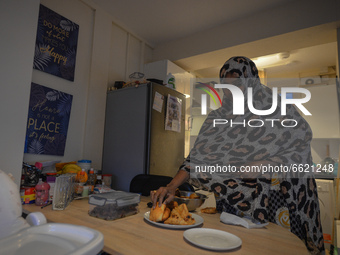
<point x="144" y="183"/>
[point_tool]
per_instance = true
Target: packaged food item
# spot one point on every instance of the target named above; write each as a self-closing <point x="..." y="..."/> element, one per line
<point x="107" y="180"/>
<point x="85" y="164"/>
<point x="113" y="205"/>
<point x="91" y="182"/>
<point x="27" y="195"/>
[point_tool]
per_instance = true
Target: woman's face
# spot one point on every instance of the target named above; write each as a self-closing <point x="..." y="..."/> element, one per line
<point x="231" y="78"/>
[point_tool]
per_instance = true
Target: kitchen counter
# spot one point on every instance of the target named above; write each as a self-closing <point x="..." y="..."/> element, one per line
<point x="134" y="235"/>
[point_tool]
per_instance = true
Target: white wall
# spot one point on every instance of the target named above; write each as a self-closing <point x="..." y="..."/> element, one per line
<point x="83" y="15"/>
<point x="107" y="53"/>
<point x="128" y="53"/>
<point x="86" y="128"/>
<point x="18" y="23"/>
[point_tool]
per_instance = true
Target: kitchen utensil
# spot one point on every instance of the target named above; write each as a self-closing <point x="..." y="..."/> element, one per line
<point x="212" y="239"/>
<point x="192" y="204"/>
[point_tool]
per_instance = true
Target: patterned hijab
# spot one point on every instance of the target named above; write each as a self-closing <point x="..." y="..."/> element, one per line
<point x="239" y="142"/>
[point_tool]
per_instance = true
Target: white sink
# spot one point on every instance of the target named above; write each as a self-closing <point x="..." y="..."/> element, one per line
<point x="53" y="239"/>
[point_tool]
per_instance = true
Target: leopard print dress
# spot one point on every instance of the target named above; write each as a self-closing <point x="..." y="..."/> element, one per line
<point x="286" y="198"/>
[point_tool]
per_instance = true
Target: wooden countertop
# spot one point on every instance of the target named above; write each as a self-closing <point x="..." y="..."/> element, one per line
<point x="134" y="235"/>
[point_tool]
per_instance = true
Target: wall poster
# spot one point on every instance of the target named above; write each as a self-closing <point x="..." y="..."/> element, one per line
<point x="173" y="114"/>
<point x="56" y="44"/>
<point x="47" y="122"/>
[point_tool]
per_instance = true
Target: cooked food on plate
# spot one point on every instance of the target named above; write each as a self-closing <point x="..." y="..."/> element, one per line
<point x="209" y="210"/>
<point x="172" y="214"/>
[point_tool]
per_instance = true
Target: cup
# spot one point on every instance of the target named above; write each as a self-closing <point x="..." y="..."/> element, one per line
<point x="85" y="192"/>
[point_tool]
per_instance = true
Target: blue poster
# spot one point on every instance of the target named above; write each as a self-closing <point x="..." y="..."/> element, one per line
<point x="56" y="44"/>
<point x="48" y="119"/>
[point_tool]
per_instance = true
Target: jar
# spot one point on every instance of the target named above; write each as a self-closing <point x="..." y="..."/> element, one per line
<point x="84" y="164"/>
<point x="42" y="193"/>
<point x="107" y="180"/>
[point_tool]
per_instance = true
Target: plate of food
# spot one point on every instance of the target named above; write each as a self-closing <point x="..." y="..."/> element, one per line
<point x="173" y="216"/>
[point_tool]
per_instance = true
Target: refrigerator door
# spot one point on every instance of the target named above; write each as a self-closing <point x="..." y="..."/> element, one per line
<point x="167" y="147"/>
<point x="125" y="136"/>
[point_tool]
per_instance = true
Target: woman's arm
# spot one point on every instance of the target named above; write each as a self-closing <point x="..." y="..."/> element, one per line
<point x="168" y="192"/>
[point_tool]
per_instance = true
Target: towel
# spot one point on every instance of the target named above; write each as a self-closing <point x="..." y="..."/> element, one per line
<point x="246" y="222"/>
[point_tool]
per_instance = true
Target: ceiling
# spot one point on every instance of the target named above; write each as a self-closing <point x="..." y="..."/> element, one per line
<point x="157" y="22"/>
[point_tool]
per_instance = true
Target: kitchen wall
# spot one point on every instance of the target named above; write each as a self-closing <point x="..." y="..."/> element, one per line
<point x="99" y="35"/>
<point x="107" y="52"/>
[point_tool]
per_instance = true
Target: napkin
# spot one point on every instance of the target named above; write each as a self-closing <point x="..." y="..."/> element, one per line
<point x="246" y="221"/>
<point x="209" y="202"/>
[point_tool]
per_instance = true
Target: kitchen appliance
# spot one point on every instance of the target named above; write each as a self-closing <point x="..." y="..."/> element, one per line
<point x="137" y="139"/>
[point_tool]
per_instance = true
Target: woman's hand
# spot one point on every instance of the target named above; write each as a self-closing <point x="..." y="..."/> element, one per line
<point x="167" y="193"/>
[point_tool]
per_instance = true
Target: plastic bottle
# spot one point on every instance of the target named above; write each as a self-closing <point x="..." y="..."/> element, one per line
<point x="170" y="81"/>
<point x="50" y="179"/>
<point x="99" y="182"/>
<point x="42" y="193"/>
<point x="91" y="180"/>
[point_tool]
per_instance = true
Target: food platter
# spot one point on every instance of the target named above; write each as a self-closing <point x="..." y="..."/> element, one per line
<point x="212" y="239"/>
<point x="199" y="220"/>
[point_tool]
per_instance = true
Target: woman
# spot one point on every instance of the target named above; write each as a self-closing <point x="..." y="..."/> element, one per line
<point x="248" y="141"/>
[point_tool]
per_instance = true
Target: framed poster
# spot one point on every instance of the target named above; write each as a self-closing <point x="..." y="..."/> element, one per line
<point x="56" y="44"/>
<point x="47" y="122"/>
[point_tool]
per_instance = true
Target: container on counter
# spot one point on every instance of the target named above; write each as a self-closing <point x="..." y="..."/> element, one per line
<point x="91" y="182"/>
<point x="99" y="182"/>
<point x="42" y="193"/>
<point x="85" y="192"/>
<point x="50" y="179"/>
<point x="107" y="180"/>
<point x="85" y="164"/>
<point x="27" y="195"/>
<point x="113" y="205"/>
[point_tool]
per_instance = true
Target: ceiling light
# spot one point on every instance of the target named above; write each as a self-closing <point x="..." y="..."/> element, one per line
<point x="272" y="60"/>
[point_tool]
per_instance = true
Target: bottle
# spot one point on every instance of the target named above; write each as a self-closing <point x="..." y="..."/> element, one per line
<point x="50" y="179"/>
<point x="81" y="179"/>
<point x="42" y="193"/>
<point x="170" y="81"/>
<point x="99" y="182"/>
<point x="91" y="180"/>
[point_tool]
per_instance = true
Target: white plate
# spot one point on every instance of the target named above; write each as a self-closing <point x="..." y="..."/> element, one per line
<point x="212" y="239"/>
<point x="199" y="220"/>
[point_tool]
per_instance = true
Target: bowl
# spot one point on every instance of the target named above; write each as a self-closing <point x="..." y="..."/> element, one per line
<point x="192" y="203"/>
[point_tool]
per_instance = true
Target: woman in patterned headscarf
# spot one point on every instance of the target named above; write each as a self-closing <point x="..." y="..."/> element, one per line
<point x="247" y="141"/>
